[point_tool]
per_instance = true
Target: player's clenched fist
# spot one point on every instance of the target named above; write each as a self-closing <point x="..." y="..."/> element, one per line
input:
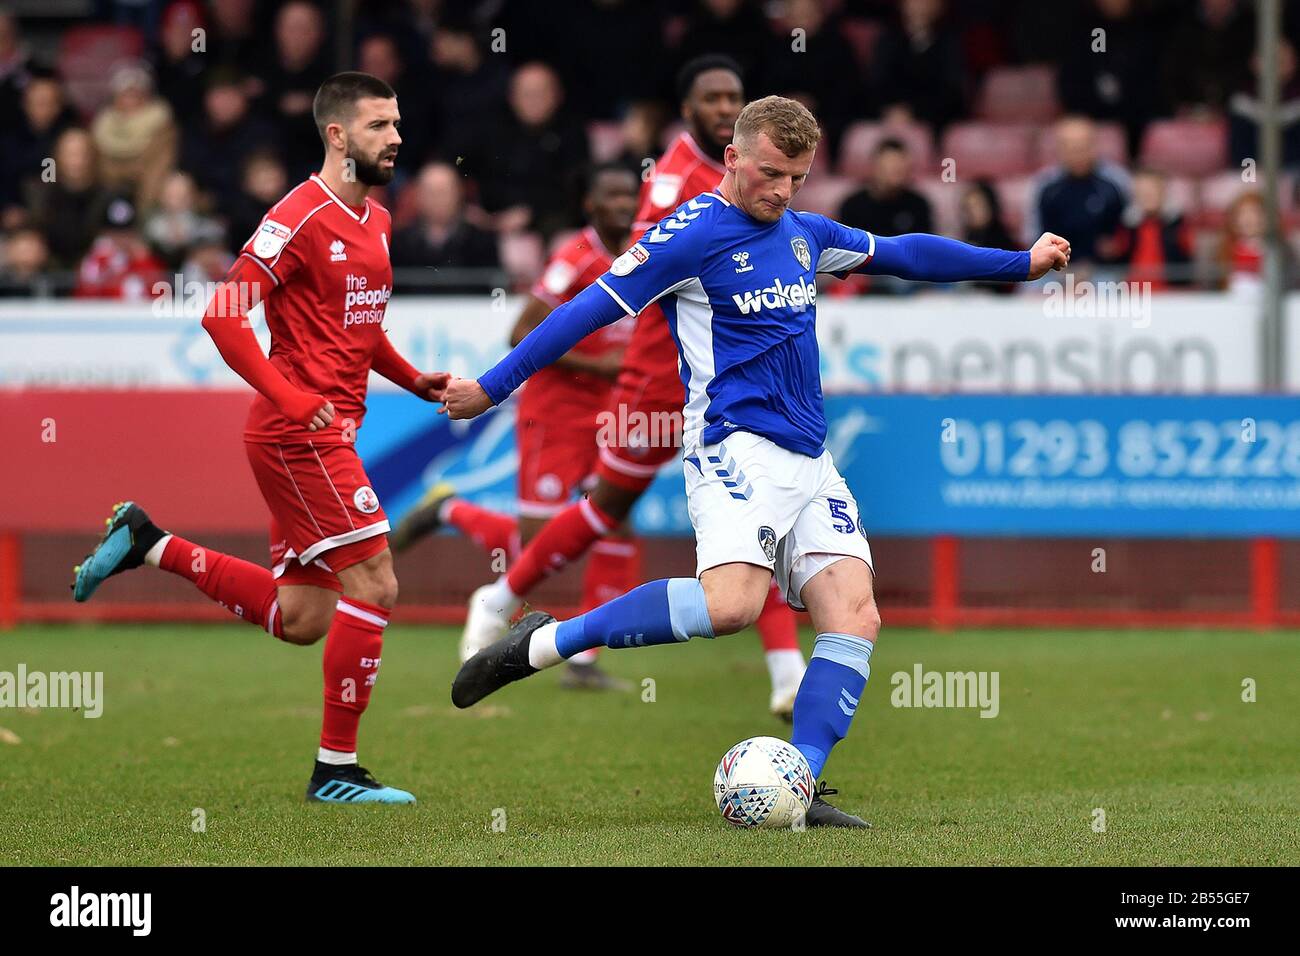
<point x="1049" y="252"/>
<point x="464" y="398"/>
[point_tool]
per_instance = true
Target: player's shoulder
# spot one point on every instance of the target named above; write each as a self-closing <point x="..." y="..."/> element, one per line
<point x="690" y="224"/>
<point x="577" y="248"/>
<point x="298" y="205"/>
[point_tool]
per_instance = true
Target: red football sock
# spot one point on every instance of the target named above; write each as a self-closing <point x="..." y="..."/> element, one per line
<point x="613" y="569"/>
<point x="489" y="530"/>
<point x="351" y="664"/>
<point x="563" y="538"/>
<point x="776" y="623"/>
<point x="245" y="589"/>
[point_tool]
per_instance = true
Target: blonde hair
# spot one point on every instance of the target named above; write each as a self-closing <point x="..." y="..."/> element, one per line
<point x="788" y="124"/>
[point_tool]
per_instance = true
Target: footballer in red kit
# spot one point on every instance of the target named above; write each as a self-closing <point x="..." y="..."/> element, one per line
<point x="559" y="417"/>
<point x="647" y="394"/>
<point x="318" y="265"/>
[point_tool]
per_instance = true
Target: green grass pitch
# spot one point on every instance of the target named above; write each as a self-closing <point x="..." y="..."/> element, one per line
<point x="1150" y="727"/>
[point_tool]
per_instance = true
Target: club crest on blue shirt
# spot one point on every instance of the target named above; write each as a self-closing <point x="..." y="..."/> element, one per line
<point x="800" y="246"/>
<point x="767" y="541"/>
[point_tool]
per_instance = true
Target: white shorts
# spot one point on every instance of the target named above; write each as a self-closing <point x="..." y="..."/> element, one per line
<point x="753" y="501"/>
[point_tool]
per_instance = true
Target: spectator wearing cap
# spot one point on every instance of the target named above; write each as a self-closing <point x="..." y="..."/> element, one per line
<point x="135" y="135"/>
<point x="119" y="264"/>
<point x="527" y="165"/>
<point x="215" y="148"/>
<point x="293" y="74"/>
<point x="1081" y="197"/>
<point x="1153" y="239"/>
<point x="176" y="226"/>
<point x="441" y="237"/>
<point x="177" y="65"/>
<point x="69" y="209"/>
<point x="45" y="115"/>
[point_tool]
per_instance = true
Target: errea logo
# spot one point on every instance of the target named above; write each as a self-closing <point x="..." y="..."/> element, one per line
<point x="799" y="295"/>
<point x="337" y="251"/>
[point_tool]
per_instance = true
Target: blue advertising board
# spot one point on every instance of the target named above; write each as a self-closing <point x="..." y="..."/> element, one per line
<point x="1037" y="465"/>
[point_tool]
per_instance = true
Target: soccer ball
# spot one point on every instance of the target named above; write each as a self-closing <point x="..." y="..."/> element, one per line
<point x="763" y="782"/>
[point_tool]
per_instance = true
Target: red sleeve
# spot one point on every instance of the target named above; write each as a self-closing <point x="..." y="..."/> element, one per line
<point x="226" y="320"/>
<point x="388" y="363"/>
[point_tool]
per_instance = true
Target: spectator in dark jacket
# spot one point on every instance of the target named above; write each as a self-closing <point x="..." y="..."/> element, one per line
<point x="917" y="66"/>
<point x="528" y="165"/>
<point x="70" y="209"/>
<point x="440" y="238"/>
<point x="293" y="75"/>
<point x="218" y="143"/>
<point x="887" y="205"/>
<point x="1082" y="198"/>
<point x="43" y="118"/>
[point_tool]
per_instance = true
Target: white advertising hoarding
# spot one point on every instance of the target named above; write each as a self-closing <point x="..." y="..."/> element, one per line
<point x="1190" y="343"/>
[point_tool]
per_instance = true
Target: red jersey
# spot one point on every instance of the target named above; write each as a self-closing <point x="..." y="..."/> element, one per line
<point x="332" y="280"/>
<point x="577" y="264"/>
<point x="681" y="174"/>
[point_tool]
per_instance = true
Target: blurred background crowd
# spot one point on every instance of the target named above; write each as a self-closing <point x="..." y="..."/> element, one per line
<point x="141" y="138"/>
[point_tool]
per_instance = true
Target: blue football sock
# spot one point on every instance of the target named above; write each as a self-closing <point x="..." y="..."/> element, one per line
<point x="829" y="694"/>
<point x="661" y="612"/>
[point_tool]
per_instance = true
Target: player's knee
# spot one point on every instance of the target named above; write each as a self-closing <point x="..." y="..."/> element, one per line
<point x="379" y="589"/>
<point x="305" y="625"/>
<point x="614" y="502"/>
<point x="733" y="613"/>
<point x="867" y="615"/>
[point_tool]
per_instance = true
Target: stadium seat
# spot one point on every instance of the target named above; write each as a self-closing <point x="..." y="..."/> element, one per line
<point x="1112" y="145"/>
<point x="1018" y="94"/>
<point x="825" y="194"/>
<point x="990" y="149"/>
<point x="606" y="140"/>
<point x="1186" y="147"/>
<point x="523" y="256"/>
<point x="1218" y="191"/>
<point x="860" y="141"/>
<point x="87" y="55"/>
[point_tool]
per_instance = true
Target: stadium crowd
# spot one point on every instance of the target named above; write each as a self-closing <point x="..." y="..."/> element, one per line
<point x="149" y="140"/>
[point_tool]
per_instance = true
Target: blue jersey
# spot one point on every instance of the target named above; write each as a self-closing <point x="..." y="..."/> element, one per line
<point x="740" y="297"/>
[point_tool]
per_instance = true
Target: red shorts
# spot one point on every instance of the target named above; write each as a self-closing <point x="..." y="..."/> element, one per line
<point x="325" y="517"/>
<point x="646" y="432"/>
<point x="556" y="459"/>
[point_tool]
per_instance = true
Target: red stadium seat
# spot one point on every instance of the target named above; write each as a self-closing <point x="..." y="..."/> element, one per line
<point x="825" y="194"/>
<point x="523" y="256"/>
<point x="1186" y="147"/>
<point x="990" y="149"/>
<point x="1019" y="94"/>
<point x="860" y="141"/>
<point x="87" y="55"/>
<point x="606" y="140"/>
<point x="1112" y="145"/>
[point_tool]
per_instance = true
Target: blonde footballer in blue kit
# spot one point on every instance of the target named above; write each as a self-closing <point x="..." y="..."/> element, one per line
<point x="735" y="273"/>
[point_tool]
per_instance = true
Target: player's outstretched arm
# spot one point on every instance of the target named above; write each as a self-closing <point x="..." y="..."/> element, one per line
<point x="928" y="258"/>
<point x="388" y="362"/>
<point x="565" y="327"/>
<point x="226" y="320"/>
